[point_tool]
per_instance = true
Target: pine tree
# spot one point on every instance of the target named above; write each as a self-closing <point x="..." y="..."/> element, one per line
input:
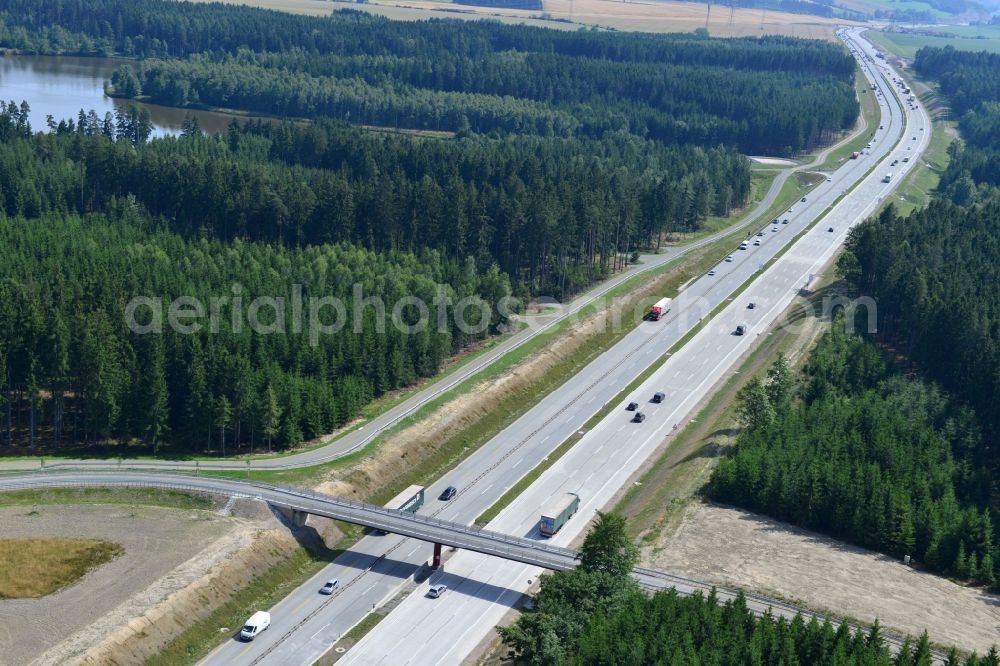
<point x="271" y="422"/>
<point x="961" y="565"/>
<point x="223" y="415"/>
<point x="754" y="406"/>
<point x="780" y="382"/>
<point x="153" y="394"/>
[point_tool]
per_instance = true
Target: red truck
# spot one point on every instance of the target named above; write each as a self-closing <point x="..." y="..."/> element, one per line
<point x="660" y="308"/>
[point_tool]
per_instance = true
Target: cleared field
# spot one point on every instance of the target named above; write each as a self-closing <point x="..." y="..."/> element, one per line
<point x="154" y="542"/>
<point x="34" y="568"/>
<point x="662" y="16"/>
<point x="668" y="16"/>
<point x="964" y="38"/>
<point x="738" y="548"/>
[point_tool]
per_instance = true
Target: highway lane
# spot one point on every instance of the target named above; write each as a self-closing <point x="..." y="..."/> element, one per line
<point x="305" y="623"/>
<point x="448" y="629"/>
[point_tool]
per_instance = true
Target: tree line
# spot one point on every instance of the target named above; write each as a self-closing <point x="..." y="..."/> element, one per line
<point x="758" y="111"/>
<point x="597" y="614"/>
<point x="934" y="272"/>
<point x="769" y="95"/>
<point x="73" y="372"/>
<point x="547" y="205"/>
<point x="553" y="214"/>
<point x="856" y="450"/>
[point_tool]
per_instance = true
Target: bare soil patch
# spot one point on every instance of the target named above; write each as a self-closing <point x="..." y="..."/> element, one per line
<point x="737" y="548"/>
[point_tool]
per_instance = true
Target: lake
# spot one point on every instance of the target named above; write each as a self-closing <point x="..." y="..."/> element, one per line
<point x="62" y="85"/>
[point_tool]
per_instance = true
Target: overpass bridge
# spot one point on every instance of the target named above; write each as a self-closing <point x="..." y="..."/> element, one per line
<point x="424" y="528"/>
<point x="302" y="503"/>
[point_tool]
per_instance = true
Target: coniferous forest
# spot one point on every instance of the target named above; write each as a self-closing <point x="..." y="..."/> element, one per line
<point x="560" y="154"/>
<point x="860" y="452"/>
<point x="906" y="466"/>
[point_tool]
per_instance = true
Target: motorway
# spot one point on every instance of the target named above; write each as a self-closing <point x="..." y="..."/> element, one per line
<point x="305" y="624"/>
<point x="481" y="591"/>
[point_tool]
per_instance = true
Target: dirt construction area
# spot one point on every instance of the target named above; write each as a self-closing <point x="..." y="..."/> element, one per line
<point x="165" y="550"/>
<point x="741" y="549"/>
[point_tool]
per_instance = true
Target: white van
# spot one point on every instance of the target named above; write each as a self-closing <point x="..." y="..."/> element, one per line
<point x="257" y="623"/>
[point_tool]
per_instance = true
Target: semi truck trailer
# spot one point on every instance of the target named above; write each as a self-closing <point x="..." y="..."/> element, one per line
<point x="558" y="513"/>
<point x="660" y="308"/>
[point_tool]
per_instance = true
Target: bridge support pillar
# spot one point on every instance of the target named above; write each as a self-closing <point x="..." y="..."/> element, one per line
<point x="436" y="564"/>
<point x="299" y="517"/>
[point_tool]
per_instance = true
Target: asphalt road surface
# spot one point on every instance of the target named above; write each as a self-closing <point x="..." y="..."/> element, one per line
<point x="446" y="630"/>
<point x="305" y="624"/>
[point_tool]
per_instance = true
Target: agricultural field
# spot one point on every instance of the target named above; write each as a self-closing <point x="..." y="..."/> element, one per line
<point x="663" y="16"/>
<point x="871" y="6"/>
<point x="963" y="38"/>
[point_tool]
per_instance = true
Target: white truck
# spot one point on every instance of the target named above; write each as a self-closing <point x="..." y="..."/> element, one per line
<point x="660" y="308"/>
<point x="257" y="623"/>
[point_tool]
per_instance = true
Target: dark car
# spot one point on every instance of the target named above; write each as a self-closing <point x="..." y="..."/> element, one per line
<point x="639" y="417"/>
<point x="830" y="230"/>
<point x="632" y="406"/>
<point x="658" y="397"/>
<point x="751" y="305"/>
<point x="448" y="493"/>
<point x="741" y="329"/>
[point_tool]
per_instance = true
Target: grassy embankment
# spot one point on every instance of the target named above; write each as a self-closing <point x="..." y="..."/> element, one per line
<point x="262" y="592"/>
<point x="34" y="568"/>
<point x="173" y="499"/>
